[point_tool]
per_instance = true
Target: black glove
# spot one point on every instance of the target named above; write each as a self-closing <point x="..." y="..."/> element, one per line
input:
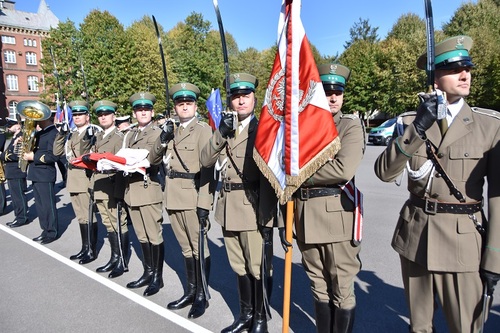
<point x="490" y="279"/>
<point x="90" y="135"/>
<point x="86" y="158"/>
<point x="267" y="234"/>
<point x="426" y="113"/>
<point x="284" y="243"/>
<point x="226" y="125"/>
<point x="167" y="133"/>
<point x="64" y="128"/>
<point x="202" y="215"/>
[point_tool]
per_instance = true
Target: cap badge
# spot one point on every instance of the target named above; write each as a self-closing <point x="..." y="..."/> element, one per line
<point x="183" y="86"/>
<point x="460" y="43"/>
<point x="333" y="69"/>
<point x="101" y="103"/>
<point x="236" y="77"/>
<point x="142" y="95"/>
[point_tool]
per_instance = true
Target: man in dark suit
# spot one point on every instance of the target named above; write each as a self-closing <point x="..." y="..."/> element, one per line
<point x="42" y="173"/>
<point x="16" y="178"/>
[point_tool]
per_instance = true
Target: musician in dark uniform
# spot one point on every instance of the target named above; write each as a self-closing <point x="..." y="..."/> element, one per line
<point x="3" y="194"/>
<point x="16" y="178"/>
<point x="109" y="188"/>
<point x="42" y="173"/>
<point x="325" y="219"/>
<point x="237" y="210"/>
<point x="144" y="197"/>
<point x="72" y="144"/>
<point x="187" y="196"/>
<point x="446" y="245"/>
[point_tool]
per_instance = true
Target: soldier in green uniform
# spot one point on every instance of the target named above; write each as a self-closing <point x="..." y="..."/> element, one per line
<point x="108" y="188"/>
<point x="325" y="218"/>
<point x="237" y="207"/>
<point x="444" y="241"/>
<point x="187" y="196"/>
<point x="143" y="196"/>
<point x="73" y="144"/>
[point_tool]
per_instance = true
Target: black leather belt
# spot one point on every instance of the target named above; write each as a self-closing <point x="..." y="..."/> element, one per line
<point x="185" y="175"/>
<point x="228" y="187"/>
<point x="432" y="206"/>
<point x="305" y="193"/>
<point x="108" y="172"/>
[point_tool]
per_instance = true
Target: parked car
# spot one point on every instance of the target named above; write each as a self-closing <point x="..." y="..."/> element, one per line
<point x="382" y="134"/>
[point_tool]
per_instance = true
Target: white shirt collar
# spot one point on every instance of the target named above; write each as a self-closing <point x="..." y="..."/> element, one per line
<point x="454" y="109"/>
<point x="244" y="123"/>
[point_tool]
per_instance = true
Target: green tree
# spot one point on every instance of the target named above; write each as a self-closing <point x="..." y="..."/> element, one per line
<point x="362" y="30"/>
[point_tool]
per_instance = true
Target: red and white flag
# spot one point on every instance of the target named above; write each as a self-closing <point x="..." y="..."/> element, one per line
<point x="296" y="133"/>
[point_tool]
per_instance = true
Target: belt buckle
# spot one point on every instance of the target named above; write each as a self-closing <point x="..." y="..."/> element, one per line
<point x="227" y="187"/>
<point x="430" y="206"/>
<point x="304" y="194"/>
<point x="170" y="174"/>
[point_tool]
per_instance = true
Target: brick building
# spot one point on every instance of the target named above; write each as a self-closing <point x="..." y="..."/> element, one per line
<point x="22" y="36"/>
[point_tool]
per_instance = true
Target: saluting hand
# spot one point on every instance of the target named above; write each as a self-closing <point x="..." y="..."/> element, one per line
<point x="167" y="133"/>
<point x="426" y="112"/>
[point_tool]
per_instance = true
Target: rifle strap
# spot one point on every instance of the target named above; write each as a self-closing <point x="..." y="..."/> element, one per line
<point x="184" y="166"/>
<point x="230" y="156"/>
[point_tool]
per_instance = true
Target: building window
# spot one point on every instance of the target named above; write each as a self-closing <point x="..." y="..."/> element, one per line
<point x="32" y="83"/>
<point x="29" y="42"/>
<point x="25" y="42"/>
<point x="12" y="109"/>
<point x="34" y="42"/>
<point x="9" y="56"/>
<point x="12" y="83"/>
<point x="30" y="58"/>
<point x="8" y="40"/>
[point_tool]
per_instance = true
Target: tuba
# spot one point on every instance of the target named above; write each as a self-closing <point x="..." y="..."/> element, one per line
<point x="32" y="111"/>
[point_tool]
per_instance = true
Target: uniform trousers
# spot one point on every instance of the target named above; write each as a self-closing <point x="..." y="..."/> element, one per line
<point x="244" y="251"/>
<point x="147" y="222"/>
<point x="17" y="188"/>
<point x="186" y="228"/>
<point x="80" y="203"/>
<point x="3" y="198"/>
<point x="45" y="203"/>
<point x="332" y="268"/>
<point x="109" y="210"/>
<point x="459" y="294"/>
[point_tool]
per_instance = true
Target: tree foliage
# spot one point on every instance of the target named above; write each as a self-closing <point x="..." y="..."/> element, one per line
<point x="362" y="30"/>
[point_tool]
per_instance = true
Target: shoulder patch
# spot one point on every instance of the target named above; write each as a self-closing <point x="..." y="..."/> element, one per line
<point x="486" y="112"/>
<point x="349" y="116"/>
<point x="201" y="123"/>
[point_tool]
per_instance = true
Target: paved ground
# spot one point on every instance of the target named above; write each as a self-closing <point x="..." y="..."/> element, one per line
<point x="43" y="291"/>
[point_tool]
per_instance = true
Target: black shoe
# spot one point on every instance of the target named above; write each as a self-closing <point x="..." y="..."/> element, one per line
<point x="48" y="240"/>
<point x="16" y="224"/>
<point x="9" y="223"/>
<point x="39" y="238"/>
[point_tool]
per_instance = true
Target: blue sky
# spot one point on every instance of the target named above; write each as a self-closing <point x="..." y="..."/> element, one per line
<point x="253" y="23"/>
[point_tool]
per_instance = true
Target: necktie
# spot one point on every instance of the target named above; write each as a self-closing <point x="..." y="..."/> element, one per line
<point x="443" y="125"/>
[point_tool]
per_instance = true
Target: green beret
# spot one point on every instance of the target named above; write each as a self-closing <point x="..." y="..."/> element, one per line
<point x="334" y="76"/>
<point x="242" y="83"/>
<point x="105" y="106"/>
<point x="184" y="91"/>
<point x="450" y="53"/>
<point x="79" y="107"/>
<point x="142" y="99"/>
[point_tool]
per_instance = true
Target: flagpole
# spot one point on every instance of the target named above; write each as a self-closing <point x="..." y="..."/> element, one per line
<point x="287" y="284"/>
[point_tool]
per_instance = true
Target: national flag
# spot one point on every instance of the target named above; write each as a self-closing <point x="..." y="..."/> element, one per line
<point x="59" y="114"/>
<point x="296" y="133"/>
<point x="214" y="106"/>
<point x="68" y="116"/>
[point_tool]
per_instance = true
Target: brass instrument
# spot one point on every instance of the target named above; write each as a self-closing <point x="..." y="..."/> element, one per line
<point x="32" y="111"/>
<point x="2" y="172"/>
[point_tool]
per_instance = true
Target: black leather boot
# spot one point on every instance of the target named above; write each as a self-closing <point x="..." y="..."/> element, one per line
<point x="190" y="291"/>
<point x="200" y="302"/>
<point x="115" y="254"/>
<point x="344" y="320"/>
<point x="91" y="254"/>
<point x="84" y="233"/>
<point x="259" y="324"/>
<point x="324" y="317"/>
<point x="147" y="276"/>
<point x="158" y="256"/>
<point x="245" y="291"/>
<point x="120" y="266"/>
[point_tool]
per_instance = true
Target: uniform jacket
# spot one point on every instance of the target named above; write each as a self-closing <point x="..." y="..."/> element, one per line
<point x="238" y="210"/>
<point x="11" y="160"/>
<point x="42" y="169"/>
<point x="330" y="219"/>
<point x="73" y="146"/>
<point x="186" y="194"/>
<point x="107" y="185"/>
<point x="140" y="191"/>
<point x="469" y="152"/>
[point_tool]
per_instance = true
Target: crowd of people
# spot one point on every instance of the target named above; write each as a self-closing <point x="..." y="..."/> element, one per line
<point x="443" y="236"/>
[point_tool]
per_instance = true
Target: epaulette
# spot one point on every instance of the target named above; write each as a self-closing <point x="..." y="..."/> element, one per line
<point x="349" y="116"/>
<point x="486" y="112"/>
<point x="118" y="132"/>
<point x="201" y="123"/>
